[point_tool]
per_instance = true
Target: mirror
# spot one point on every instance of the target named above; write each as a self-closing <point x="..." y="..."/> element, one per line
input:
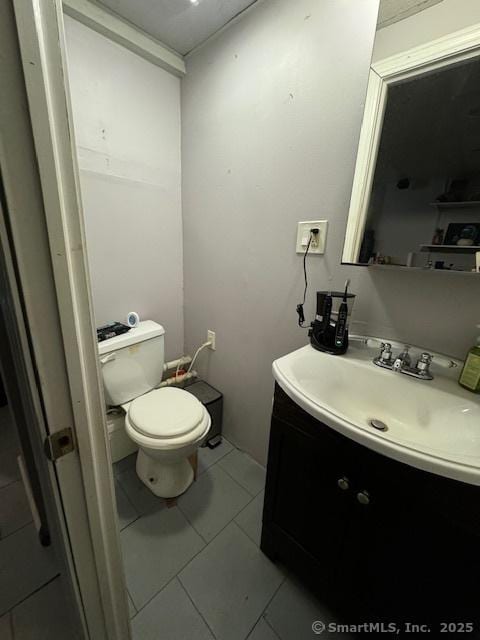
<point x="416" y="193"/>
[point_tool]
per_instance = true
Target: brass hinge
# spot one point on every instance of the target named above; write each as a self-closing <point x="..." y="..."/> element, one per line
<point x="58" y="444"/>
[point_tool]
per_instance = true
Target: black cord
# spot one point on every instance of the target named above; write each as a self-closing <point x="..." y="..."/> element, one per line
<point x="305" y="269"/>
<point x="301" y="316"/>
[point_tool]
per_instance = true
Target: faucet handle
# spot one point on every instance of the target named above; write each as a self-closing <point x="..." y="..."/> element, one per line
<point x="423" y="363"/>
<point x="385" y="352"/>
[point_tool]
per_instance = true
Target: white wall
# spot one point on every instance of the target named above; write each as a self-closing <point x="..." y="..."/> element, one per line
<point x="127" y="128"/>
<point x="271" y="112"/>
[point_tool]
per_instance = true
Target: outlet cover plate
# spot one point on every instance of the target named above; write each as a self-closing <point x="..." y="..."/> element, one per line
<point x="303" y="233"/>
<point x="212" y="338"/>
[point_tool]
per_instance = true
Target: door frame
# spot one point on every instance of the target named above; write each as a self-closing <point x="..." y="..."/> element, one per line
<point x="47" y="242"/>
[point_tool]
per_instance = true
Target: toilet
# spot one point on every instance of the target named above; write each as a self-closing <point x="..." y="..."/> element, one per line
<point x="167" y="424"/>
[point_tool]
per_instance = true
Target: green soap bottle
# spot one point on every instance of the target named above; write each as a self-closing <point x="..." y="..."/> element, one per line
<point x="470" y="376"/>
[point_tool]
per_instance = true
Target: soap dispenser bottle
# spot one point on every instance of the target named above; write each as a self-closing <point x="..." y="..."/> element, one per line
<point x="470" y="376"/>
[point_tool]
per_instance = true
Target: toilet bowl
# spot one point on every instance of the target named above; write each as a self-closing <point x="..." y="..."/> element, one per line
<point x="168" y="425"/>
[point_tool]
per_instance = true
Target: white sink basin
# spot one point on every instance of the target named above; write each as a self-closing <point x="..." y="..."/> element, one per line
<point x="433" y="425"/>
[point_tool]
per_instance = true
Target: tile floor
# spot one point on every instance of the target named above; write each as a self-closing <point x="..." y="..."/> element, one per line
<point x="30" y="587"/>
<point x="41" y="616"/>
<point x="195" y="571"/>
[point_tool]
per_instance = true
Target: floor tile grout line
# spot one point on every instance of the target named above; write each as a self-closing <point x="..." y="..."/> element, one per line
<point x="234" y="479"/>
<point x="237" y="482"/>
<point x="258" y="547"/>
<point x="129" y="595"/>
<point x="153" y="597"/>
<point x="194" y="605"/>
<point x="241" y="485"/>
<point x="127" y="525"/>
<point x="124" y="493"/>
<point x="192" y="525"/>
<point x="205" y="471"/>
<point x="239" y="525"/>
<point x="177" y="576"/>
<point x="9" y="484"/>
<point x="207" y="542"/>
<point x="221" y="457"/>
<point x="45" y="584"/>
<point x="252" y="498"/>
<point x="284" y="577"/>
<point x="268" y="623"/>
<point x="12" y="533"/>
<point x="249" y="503"/>
<point x="192" y="559"/>
<point x="245" y="453"/>
<point x="139" y="515"/>
<point x="243" y="530"/>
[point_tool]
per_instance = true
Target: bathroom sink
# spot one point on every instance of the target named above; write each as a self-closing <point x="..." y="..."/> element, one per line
<point x="433" y="425"/>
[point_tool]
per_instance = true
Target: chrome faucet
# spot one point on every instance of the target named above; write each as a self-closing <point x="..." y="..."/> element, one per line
<point x="403" y="362"/>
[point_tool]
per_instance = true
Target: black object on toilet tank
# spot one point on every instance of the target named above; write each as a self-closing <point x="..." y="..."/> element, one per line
<point x="329" y="332"/>
<point x="111" y="330"/>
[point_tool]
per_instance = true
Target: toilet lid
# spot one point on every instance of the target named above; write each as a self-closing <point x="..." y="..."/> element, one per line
<point x="165" y="413"/>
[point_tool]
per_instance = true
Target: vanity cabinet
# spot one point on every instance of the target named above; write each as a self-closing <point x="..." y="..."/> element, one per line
<point x="366" y="532"/>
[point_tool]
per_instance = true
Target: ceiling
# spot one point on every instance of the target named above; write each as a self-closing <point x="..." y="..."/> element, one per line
<point x="394" y="10"/>
<point x="180" y="24"/>
<point x="184" y="24"/>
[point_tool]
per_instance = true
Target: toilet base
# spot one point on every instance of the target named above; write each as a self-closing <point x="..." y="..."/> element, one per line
<point x="164" y="478"/>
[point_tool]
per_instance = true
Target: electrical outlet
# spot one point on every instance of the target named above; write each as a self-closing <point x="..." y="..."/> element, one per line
<point x="211" y="338"/>
<point x="317" y="245"/>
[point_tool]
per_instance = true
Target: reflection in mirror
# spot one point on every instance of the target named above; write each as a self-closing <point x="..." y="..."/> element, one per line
<point x="421" y="191"/>
<point x="425" y="200"/>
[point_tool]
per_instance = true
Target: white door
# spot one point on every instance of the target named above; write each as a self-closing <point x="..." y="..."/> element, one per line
<point x="43" y="241"/>
<point x="38" y="584"/>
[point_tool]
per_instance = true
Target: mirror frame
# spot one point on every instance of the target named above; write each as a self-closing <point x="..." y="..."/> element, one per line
<point x="446" y="51"/>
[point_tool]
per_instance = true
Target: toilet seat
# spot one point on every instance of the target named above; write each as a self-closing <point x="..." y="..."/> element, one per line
<point x="165" y="413"/>
<point x="166" y="419"/>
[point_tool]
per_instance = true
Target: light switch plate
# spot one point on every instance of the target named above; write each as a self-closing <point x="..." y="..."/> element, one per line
<point x="303" y="234"/>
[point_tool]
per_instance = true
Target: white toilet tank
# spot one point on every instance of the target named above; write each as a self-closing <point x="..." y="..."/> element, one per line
<point x="132" y="363"/>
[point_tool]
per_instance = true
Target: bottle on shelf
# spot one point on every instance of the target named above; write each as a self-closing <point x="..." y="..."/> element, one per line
<point x="438" y="236"/>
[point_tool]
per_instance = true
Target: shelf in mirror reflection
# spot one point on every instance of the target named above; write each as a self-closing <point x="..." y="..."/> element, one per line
<point x="450" y="248"/>
<point x="401" y="267"/>
<point x="456" y="205"/>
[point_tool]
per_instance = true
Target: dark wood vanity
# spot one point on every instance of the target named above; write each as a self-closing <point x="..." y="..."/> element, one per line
<point x="370" y="535"/>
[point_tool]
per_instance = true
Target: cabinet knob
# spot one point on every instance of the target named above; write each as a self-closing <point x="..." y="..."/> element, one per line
<point x="363" y="497"/>
<point x="343" y="483"/>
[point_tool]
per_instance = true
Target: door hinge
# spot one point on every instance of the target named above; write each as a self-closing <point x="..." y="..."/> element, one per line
<point x="58" y="444"/>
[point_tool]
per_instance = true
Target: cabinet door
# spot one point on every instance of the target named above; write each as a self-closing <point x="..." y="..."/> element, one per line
<point x="304" y="504"/>
<point x="405" y="560"/>
<point x="380" y="546"/>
